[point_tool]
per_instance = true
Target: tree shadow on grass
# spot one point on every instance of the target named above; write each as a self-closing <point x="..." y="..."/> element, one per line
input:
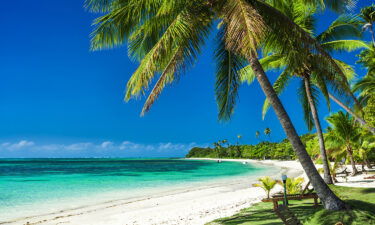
<point x="259" y="217"/>
<point x="305" y="210"/>
<point x="360" y="213"/>
<point x="361" y="205"/>
<point x="368" y="191"/>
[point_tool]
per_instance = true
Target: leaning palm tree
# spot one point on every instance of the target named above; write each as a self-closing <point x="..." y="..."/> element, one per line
<point x="166" y="36"/>
<point x="343" y="135"/>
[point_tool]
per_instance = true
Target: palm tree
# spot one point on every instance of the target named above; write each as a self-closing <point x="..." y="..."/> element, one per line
<point x="368" y="16"/>
<point x="166" y="36"/>
<point x="329" y="39"/>
<point x="217" y="147"/>
<point x="343" y="135"/>
<point x="238" y="148"/>
<point x="267" y="132"/>
<point x="267" y="184"/>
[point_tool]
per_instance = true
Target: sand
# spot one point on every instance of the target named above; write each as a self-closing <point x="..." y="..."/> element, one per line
<point x="193" y="206"/>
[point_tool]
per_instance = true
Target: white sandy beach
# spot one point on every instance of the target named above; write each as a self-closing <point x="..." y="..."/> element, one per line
<point x="194" y="206"/>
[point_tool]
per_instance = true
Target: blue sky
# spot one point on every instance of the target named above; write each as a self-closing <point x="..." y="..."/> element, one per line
<point x="58" y="99"/>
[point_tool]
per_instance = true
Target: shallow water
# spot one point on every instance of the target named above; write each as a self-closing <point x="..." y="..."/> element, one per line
<point x="29" y="186"/>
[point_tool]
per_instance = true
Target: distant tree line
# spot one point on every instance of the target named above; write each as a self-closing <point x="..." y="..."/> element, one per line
<point x="264" y="150"/>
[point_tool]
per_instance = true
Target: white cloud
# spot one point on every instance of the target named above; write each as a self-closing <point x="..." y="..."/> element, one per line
<point x="106" y="144"/>
<point x="89" y="149"/>
<point x="18" y="145"/>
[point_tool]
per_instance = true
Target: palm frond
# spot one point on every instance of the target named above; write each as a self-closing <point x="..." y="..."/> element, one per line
<point x="168" y="76"/>
<point x="227" y="77"/>
<point x="99" y="6"/>
<point x="121" y="18"/>
<point x="366" y="86"/>
<point x="244" y="27"/>
<point x="186" y="32"/>
<point x="270" y="62"/>
<point x="344" y="45"/>
<point x="343" y="27"/>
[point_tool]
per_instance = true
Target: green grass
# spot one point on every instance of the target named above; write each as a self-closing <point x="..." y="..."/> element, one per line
<point x="361" y="201"/>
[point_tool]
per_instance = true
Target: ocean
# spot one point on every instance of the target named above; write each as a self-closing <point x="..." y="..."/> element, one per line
<point x="29" y="187"/>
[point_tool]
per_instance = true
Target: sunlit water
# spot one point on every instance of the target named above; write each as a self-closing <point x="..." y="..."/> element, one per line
<point x="39" y="186"/>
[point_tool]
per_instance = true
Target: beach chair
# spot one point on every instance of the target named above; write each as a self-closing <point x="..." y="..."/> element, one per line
<point x="279" y="198"/>
<point x="287" y="216"/>
<point x="276" y="198"/>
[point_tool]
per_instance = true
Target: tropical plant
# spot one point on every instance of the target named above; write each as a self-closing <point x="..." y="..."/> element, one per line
<point x="267" y="184"/>
<point x="225" y="141"/>
<point x="366" y="87"/>
<point x="366" y="149"/>
<point x="267" y="132"/>
<point x="238" y="148"/>
<point x="333" y="169"/>
<point x="368" y="16"/>
<point x="342" y="136"/>
<point x="217" y="148"/>
<point x="313" y="75"/>
<point x="166" y="36"/>
<point x="293" y="185"/>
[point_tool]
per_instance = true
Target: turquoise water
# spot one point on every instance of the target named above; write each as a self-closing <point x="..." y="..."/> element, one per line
<point x="53" y="183"/>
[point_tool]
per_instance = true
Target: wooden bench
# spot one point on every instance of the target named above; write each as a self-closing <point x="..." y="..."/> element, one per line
<point x="276" y="198"/>
<point x="287" y="216"/>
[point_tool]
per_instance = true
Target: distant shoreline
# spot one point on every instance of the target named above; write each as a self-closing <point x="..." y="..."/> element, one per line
<point x="292" y="167"/>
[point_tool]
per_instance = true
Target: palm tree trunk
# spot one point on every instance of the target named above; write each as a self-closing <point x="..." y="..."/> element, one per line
<point x="314" y="112"/>
<point x="350" y="153"/>
<point x="357" y="118"/>
<point x="328" y="198"/>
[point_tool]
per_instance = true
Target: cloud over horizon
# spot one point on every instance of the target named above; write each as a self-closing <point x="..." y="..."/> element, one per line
<point x="32" y="149"/>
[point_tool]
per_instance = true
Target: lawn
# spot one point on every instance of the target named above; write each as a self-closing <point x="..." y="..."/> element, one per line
<point x="361" y="201"/>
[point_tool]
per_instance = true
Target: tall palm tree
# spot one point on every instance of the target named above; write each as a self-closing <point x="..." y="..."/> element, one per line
<point x="238" y="148"/>
<point x="368" y="16"/>
<point x="166" y="36"/>
<point x="309" y="73"/>
<point x="343" y="135"/>
<point x="331" y="40"/>
<point x="267" y="132"/>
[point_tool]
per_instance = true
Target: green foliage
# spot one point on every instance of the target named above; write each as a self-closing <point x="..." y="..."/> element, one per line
<point x="264" y="150"/>
<point x="293" y="185"/>
<point x="361" y="200"/>
<point x="267" y="184"/>
<point x="197" y="152"/>
<point x="343" y="134"/>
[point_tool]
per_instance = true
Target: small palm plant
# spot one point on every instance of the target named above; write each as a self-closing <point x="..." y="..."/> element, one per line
<point x="267" y="184"/>
<point x="293" y="185"/>
<point x="333" y="169"/>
